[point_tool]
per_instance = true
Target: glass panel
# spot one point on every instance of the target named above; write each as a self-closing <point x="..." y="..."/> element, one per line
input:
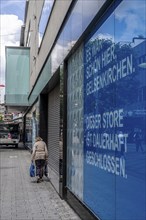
<point x="130" y="50"/>
<point x="57" y="54"/>
<point x="76" y="23"/>
<point x="115" y="115"/>
<point x="99" y="161"/>
<point x="28" y="131"/>
<point x="88" y="15"/>
<point x="32" y="126"/>
<point x="78" y="20"/>
<point x="75" y="124"/>
<point x="44" y="18"/>
<point x="17" y="75"/>
<point x="43" y="80"/>
<point x="81" y="16"/>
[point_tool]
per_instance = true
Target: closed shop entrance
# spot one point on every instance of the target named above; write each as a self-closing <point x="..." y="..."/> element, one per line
<point x="53" y="135"/>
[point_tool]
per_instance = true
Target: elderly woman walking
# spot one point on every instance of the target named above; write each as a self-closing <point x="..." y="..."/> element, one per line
<point x="40" y="156"/>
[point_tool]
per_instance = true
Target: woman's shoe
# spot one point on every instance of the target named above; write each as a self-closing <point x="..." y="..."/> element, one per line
<point x="38" y="180"/>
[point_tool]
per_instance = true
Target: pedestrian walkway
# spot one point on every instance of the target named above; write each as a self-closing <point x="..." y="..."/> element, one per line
<point x="21" y="198"/>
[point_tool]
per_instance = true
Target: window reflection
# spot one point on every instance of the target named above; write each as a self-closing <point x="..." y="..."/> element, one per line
<point x="80" y="17"/>
<point x="75" y="124"/>
<point x="114" y="89"/>
<point x="44" y="18"/>
<point x="28" y="36"/>
<point x="32" y="126"/>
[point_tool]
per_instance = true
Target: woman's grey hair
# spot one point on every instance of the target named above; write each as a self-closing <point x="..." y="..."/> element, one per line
<point x="38" y="139"/>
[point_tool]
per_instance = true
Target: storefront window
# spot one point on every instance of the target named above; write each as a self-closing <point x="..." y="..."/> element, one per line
<point x="115" y="115"/>
<point x="75" y="124"/>
<point x="32" y="126"/>
<point x="28" y="131"/>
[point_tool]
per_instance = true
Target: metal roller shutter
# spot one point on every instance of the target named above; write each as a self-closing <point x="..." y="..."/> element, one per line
<point x="53" y="128"/>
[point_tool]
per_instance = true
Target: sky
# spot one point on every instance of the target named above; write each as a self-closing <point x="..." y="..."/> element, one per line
<point x="11" y="20"/>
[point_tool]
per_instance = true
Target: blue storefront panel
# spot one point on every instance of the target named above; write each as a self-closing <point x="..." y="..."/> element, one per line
<point x="115" y="115"/>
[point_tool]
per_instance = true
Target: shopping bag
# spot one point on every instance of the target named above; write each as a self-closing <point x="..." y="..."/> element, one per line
<point x="46" y="171"/>
<point x="32" y="170"/>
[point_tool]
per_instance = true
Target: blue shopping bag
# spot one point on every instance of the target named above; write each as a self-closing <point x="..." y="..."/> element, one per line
<point x="32" y="170"/>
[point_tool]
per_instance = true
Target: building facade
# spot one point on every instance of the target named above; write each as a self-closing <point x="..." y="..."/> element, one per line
<point x="87" y="99"/>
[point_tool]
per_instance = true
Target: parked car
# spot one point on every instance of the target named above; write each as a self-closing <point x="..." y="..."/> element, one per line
<point x="9" y="134"/>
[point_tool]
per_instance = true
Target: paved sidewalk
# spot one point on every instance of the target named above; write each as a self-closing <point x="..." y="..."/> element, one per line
<point x="21" y="198"/>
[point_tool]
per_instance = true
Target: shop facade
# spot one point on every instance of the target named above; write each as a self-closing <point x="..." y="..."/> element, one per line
<point x="106" y="116"/>
<point x="90" y="95"/>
